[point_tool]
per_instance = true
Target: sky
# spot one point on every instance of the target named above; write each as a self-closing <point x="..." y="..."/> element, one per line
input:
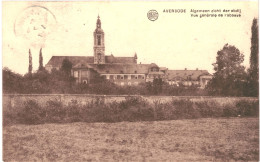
<point x="175" y="40"/>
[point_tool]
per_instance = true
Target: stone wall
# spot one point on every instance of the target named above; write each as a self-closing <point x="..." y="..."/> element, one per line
<point x="15" y="100"/>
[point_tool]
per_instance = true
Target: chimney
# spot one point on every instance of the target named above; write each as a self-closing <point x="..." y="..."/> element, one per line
<point x="197" y="68"/>
<point x="185" y="68"/>
<point x="140" y="63"/>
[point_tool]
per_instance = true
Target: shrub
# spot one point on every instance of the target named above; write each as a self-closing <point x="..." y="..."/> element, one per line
<point x="54" y="111"/>
<point x="229" y="111"/>
<point x="248" y="108"/>
<point x="132" y="109"/>
<point x="31" y="113"/>
<point x="73" y="112"/>
<point x="209" y="109"/>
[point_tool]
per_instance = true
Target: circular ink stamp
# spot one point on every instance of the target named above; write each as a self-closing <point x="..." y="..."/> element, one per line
<point x="152" y="15"/>
<point x="34" y="24"/>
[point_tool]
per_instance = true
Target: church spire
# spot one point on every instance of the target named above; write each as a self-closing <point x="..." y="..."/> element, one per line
<point x="99" y="44"/>
<point x="98" y="22"/>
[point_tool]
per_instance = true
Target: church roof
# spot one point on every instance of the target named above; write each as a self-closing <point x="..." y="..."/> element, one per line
<point x="185" y="74"/>
<point x="126" y="60"/>
<point x="120" y="68"/>
<point x="56" y="61"/>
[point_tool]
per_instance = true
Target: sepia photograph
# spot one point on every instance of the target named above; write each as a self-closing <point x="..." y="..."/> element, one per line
<point x="130" y="81"/>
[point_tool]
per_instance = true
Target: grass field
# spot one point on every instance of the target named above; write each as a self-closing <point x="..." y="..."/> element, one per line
<point x="219" y="139"/>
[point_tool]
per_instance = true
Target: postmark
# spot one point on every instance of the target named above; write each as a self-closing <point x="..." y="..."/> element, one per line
<point x="152" y="15"/>
<point x="34" y="24"/>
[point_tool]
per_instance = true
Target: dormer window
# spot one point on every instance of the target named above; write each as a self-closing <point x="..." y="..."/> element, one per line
<point x="135" y="71"/>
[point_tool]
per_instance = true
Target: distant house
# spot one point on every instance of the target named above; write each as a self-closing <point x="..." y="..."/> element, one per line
<point x="188" y="77"/>
<point x="123" y="70"/>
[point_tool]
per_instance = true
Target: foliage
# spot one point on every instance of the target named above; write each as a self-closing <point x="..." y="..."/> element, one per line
<point x="66" y="66"/>
<point x="30" y="62"/>
<point x="131" y="109"/>
<point x="58" y="82"/>
<point x="254" y="47"/>
<point x="31" y="113"/>
<point x="40" y="61"/>
<point x="230" y="77"/>
<point x="12" y="82"/>
<point x="253" y="71"/>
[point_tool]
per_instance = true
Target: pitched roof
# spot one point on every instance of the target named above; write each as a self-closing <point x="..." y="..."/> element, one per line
<point x="185" y="74"/>
<point x="163" y="68"/>
<point x="56" y="61"/>
<point x="116" y="60"/>
<point x="120" y="68"/>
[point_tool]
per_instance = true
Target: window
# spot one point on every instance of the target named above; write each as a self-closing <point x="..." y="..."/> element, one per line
<point x="76" y="74"/>
<point x="118" y="76"/>
<point x="125" y="77"/>
<point x="111" y="77"/>
<point x="136" y="77"/>
<point x="99" y="39"/>
<point x="99" y="56"/>
<point x="139" y="76"/>
<point x="132" y="77"/>
<point x="107" y="77"/>
<point x="155" y="69"/>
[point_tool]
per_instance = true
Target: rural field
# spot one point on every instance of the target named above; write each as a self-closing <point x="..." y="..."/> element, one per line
<point x="206" y="139"/>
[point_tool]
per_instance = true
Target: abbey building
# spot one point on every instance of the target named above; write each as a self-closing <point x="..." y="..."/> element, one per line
<point x="123" y="70"/>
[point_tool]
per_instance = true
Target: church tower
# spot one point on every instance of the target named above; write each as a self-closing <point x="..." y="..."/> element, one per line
<point x="99" y="44"/>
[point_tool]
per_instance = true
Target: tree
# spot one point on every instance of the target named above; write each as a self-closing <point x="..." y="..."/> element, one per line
<point x="66" y="66"/>
<point x="30" y="63"/>
<point x="40" y="61"/>
<point x="253" y="73"/>
<point x="12" y="82"/>
<point x="230" y="77"/>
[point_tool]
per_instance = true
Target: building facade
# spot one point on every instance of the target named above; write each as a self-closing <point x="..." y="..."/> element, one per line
<point x="123" y="70"/>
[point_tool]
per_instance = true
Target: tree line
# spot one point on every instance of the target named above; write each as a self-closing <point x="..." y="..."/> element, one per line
<point x="230" y="77"/>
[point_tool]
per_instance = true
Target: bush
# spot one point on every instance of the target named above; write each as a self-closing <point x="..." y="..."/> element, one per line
<point x="54" y="111"/>
<point x="31" y="113"/>
<point x="246" y="108"/>
<point x="209" y="109"/>
<point x="131" y="109"/>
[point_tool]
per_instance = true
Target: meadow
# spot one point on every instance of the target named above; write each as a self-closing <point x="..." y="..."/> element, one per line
<point x="205" y="139"/>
